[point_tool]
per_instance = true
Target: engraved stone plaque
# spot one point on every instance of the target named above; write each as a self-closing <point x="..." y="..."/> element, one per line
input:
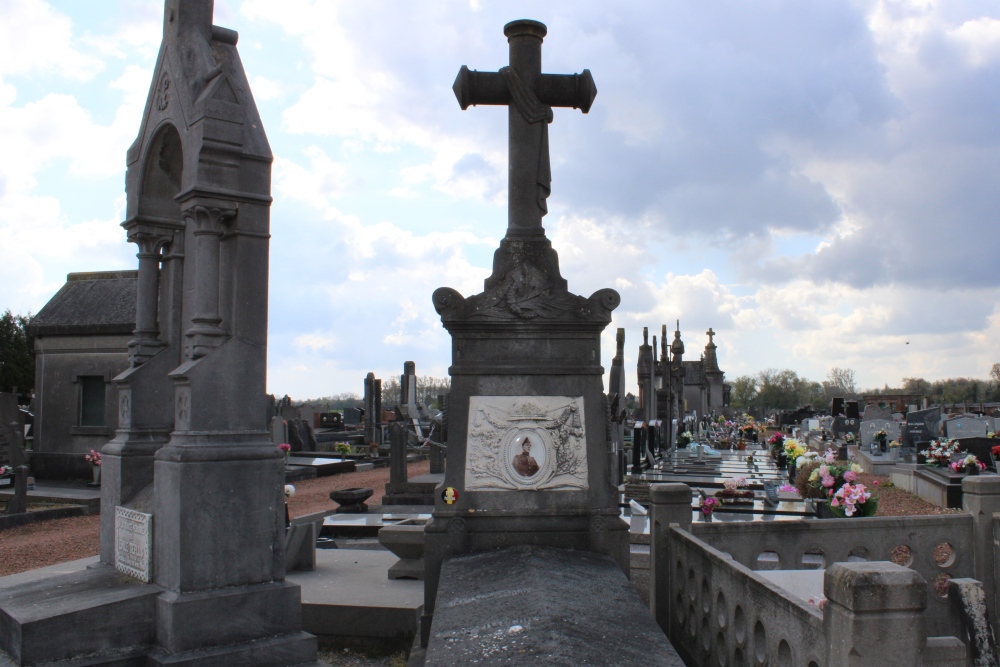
<point x="526" y="443"/>
<point x="133" y="543"/>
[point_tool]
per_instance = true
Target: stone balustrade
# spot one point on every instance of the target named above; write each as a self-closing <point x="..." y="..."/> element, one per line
<point x="938" y="547"/>
<point x="709" y="593"/>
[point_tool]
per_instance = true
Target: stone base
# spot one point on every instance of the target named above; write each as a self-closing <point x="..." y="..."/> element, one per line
<point x="96" y="611"/>
<point x="115" y="620"/>
<point x="408" y="568"/>
<point x="876" y="465"/>
<point x="938" y="487"/>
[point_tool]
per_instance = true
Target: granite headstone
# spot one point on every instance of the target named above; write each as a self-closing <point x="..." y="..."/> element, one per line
<point x="870" y="427"/>
<point x="966" y="426"/>
<point x="844" y="425"/>
<point x="873" y="412"/>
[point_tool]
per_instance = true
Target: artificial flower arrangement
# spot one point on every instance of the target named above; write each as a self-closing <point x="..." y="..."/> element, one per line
<point x="881" y="434"/>
<point x="848" y="437"/>
<point x="285" y="447"/>
<point x="289" y="491"/>
<point x="941" y="452"/>
<point x="787" y="488"/>
<point x="735" y="491"/>
<point x="93" y="458"/>
<point x="708" y="506"/>
<point x="837" y="483"/>
<point x="342" y="448"/>
<point x="6" y="470"/>
<point x="684" y="439"/>
<point x="793" y="449"/>
<point x="995" y="451"/>
<point x="894" y="443"/>
<point x="970" y="460"/>
<point x="991" y="434"/>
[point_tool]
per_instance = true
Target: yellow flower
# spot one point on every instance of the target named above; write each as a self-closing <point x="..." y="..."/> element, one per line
<point x="855" y="467"/>
<point x="814" y="476"/>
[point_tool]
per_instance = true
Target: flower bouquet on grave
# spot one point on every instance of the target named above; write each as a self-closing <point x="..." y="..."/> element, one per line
<point x="793" y="450"/>
<point x="93" y="458"/>
<point x="342" y="448"/>
<point x="708" y="506"/>
<point x="995" y="456"/>
<point x="970" y="465"/>
<point x="776" y="444"/>
<point x="6" y="470"/>
<point x="941" y="452"/>
<point x="848" y="438"/>
<point x="880" y="437"/>
<point x="853" y="500"/>
<point x="684" y="439"/>
<point x="735" y="491"/>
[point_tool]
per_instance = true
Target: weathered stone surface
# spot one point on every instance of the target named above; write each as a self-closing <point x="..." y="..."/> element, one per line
<point x="876" y="412"/>
<point x="968" y="602"/>
<point x="529" y="605"/>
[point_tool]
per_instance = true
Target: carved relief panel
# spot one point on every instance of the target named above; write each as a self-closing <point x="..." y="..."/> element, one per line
<point x="526" y="443"/>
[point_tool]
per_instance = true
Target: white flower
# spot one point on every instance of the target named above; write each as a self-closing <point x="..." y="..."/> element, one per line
<point x="289" y="490"/>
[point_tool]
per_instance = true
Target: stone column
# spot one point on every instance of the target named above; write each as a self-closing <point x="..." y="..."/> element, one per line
<point x="981" y="499"/>
<point x="370" y="418"/>
<point x="874" y="614"/>
<point x="670" y="505"/>
<point x="147" y="330"/>
<point x="208" y="222"/>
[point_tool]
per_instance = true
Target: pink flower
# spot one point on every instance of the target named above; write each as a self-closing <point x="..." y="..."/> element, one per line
<point x="285" y="447"/>
<point x="828" y="481"/>
<point x="850" y="476"/>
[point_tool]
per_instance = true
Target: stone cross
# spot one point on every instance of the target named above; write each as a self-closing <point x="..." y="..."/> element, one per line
<point x="529" y="94"/>
<point x="711" y="335"/>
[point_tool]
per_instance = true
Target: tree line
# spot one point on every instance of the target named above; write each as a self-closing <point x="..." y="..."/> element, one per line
<point x="773" y="389"/>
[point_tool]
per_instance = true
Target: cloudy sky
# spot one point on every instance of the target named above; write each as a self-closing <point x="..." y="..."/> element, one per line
<point x="817" y="181"/>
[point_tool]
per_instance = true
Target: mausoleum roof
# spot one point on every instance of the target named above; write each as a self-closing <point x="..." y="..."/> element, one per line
<point x="90" y="303"/>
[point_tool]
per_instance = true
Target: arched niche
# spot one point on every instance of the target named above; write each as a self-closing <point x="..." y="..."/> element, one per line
<point x="162" y="176"/>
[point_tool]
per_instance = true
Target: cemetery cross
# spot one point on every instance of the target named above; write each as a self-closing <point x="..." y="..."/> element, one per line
<point x="529" y="95"/>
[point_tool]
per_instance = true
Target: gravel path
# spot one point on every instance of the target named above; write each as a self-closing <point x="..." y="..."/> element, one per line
<point x="60" y="540"/>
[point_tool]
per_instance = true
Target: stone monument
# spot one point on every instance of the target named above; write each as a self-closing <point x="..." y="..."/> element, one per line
<point x="529" y="449"/>
<point x="192" y="495"/>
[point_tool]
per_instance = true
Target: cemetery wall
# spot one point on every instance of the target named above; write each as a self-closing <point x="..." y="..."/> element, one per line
<point x="61" y="435"/>
<point x="796" y="544"/>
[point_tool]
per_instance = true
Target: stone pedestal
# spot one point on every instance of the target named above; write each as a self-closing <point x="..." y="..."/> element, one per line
<point x="874" y="614"/>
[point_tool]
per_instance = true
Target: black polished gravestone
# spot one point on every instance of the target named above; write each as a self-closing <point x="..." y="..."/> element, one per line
<point x="914" y="435"/>
<point x="843" y="425"/>
<point x="852" y="410"/>
<point x="529" y="457"/>
<point x="837" y="407"/>
<point x="930" y="418"/>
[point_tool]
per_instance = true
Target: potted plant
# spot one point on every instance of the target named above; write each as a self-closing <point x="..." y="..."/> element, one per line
<point x="94" y="459"/>
<point x="894" y="449"/>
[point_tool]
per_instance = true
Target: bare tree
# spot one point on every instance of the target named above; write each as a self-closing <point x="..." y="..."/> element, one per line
<point x="840" y="382"/>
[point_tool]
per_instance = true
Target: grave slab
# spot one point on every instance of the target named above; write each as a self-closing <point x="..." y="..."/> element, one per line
<point x="324" y="467"/>
<point x="526" y="605"/>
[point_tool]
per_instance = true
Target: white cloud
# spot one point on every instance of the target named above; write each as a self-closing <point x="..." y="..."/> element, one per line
<point x="35" y="38"/>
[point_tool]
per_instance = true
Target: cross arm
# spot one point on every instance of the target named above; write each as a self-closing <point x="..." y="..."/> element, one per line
<point x="556" y="90"/>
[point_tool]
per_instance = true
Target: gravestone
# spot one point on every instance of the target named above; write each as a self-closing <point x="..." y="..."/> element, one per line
<point x="870" y="427"/>
<point x="529" y="449"/>
<point x="873" y="412"/>
<point x="915" y="435"/>
<point x="930" y="418"/>
<point x="352" y="417"/>
<point x="837" y="407"/>
<point x="851" y="410"/>
<point x="192" y="448"/>
<point x="373" y="410"/>
<point x="11" y="453"/>
<point x="966" y="426"/>
<point x="843" y="425"/>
